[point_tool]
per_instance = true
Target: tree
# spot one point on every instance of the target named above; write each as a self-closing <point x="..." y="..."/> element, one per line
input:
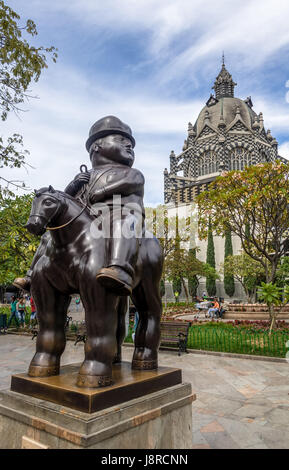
<point x="276" y="299"/>
<point x="252" y="204"/>
<point x="210" y="280"/>
<point x="162" y="288"/>
<point x="177" y="287"/>
<point x="17" y="245"/>
<point x="183" y="264"/>
<point x="245" y="270"/>
<point x="193" y="281"/>
<point x="229" y="284"/>
<point x="20" y="64"/>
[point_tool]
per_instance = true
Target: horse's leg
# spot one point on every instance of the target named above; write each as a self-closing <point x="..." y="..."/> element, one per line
<point x="101" y="326"/>
<point x="51" y="314"/>
<point x="146" y="297"/>
<point x="120" y="331"/>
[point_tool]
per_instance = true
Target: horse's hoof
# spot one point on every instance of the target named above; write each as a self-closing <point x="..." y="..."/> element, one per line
<point x="43" y="371"/>
<point x="93" y="381"/>
<point x="117" y="359"/>
<point x="144" y="365"/>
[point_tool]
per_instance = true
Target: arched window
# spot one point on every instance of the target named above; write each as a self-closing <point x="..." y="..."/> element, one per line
<point x="208" y="163"/>
<point x="240" y="158"/>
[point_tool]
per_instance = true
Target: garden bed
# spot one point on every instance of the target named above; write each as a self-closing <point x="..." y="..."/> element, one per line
<point x="240" y="337"/>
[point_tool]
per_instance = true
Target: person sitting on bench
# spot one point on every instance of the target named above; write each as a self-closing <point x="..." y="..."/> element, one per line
<point x="213" y="310"/>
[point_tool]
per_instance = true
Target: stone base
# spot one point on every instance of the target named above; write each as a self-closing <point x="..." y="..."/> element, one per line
<point x="159" y="420"/>
<point x="127" y="384"/>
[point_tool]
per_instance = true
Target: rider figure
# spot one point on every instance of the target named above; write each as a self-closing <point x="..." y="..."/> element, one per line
<point x="110" y="146"/>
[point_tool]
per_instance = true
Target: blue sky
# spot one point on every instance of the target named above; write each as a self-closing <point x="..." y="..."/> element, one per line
<point x="152" y="63"/>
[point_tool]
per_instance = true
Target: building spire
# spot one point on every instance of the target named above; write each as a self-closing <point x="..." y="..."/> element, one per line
<point x="224" y="84"/>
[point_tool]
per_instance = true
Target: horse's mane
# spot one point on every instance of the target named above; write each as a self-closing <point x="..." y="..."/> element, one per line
<point x="50" y="190"/>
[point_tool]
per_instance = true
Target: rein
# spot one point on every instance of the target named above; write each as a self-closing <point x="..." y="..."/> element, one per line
<point x="70" y="221"/>
<point x="64" y="225"/>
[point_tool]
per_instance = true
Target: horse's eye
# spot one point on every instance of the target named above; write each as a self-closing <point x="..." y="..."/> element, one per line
<point x="48" y="202"/>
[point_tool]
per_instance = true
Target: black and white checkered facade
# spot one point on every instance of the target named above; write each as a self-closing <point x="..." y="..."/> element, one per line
<point x="228" y="135"/>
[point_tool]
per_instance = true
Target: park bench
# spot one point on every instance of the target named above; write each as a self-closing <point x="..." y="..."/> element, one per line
<point x="80" y="332"/>
<point x="175" y="333"/>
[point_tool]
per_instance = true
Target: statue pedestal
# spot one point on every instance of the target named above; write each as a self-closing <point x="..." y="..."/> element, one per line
<point x="142" y="410"/>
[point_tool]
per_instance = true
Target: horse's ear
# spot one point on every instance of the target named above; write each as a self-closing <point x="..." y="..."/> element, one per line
<point x="50" y="189"/>
<point x="35" y="191"/>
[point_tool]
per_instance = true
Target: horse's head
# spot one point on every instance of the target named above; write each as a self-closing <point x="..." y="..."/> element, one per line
<point x="46" y="205"/>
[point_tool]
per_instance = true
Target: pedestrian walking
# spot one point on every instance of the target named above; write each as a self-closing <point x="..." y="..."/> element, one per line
<point x="13" y="308"/>
<point x="136" y="320"/>
<point x="33" y="313"/>
<point x="21" y="307"/>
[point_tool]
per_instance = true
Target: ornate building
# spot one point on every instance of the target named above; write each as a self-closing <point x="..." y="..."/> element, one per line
<point x="228" y="135"/>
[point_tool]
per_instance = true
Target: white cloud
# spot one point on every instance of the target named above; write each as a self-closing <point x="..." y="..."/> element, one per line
<point x="56" y="127"/>
<point x="276" y="115"/>
<point x="284" y="150"/>
<point x="183" y="38"/>
<point x="253" y="30"/>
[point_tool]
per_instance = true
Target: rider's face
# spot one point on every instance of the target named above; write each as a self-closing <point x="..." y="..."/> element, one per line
<point x="118" y="148"/>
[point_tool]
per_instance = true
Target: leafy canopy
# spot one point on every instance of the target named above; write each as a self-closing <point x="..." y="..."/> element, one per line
<point x="17" y="245"/>
<point x="252" y="204"/>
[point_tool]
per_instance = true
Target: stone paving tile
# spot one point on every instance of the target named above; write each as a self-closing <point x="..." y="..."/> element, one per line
<point x="225" y="405"/>
<point x="252" y="411"/>
<point x="245" y="434"/>
<point x="213" y="426"/>
<point x="278" y="417"/>
<point x="240" y="403"/>
<point x="275" y="439"/>
<point x="199" y="440"/>
<point x="221" y="440"/>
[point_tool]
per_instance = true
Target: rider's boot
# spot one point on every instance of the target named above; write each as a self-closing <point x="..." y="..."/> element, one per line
<point x="22" y="283"/>
<point x="116" y="279"/>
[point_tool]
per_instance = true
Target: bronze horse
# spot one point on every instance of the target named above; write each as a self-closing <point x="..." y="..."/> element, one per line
<point x="69" y="265"/>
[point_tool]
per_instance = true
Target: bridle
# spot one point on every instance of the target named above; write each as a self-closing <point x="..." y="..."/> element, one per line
<point x="55" y="212"/>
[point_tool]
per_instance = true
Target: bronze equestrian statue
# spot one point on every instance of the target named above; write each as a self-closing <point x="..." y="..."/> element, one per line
<point x="104" y="270"/>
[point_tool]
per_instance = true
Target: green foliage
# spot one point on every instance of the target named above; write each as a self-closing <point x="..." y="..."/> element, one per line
<point x="193" y="284"/>
<point x="210" y="280"/>
<point x="20" y="64"/>
<point x="193" y="281"/>
<point x="229" y="283"/>
<point x="253" y="204"/>
<point x="177" y="287"/>
<point x="238" y="340"/>
<point x="245" y="270"/>
<point x="162" y="288"/>
<point x="270" y="293"/>
<point x="17" y="245"/>
<point x="282" y="273"/>
<point x="273" y="296"/>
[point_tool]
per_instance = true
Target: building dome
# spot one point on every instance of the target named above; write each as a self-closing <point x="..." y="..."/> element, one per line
<point x="227" y="108"/>
<point x="227" y="135"/>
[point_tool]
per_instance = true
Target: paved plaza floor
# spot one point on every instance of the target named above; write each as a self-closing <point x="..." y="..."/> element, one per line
<point x="240" y="403"/>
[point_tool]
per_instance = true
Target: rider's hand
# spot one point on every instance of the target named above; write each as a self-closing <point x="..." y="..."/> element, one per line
<point x="83" y="177"/>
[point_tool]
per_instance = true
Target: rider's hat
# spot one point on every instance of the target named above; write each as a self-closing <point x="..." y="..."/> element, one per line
<point x="107" y="126"/>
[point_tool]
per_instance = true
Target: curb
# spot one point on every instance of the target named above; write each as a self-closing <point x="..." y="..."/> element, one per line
<point x="238" y="356"/>
<point x="224" y="354"/>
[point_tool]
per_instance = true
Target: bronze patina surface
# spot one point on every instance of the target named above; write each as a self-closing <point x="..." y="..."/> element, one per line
<point x="128" y="384"/>
<point x="94" y="243"/>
